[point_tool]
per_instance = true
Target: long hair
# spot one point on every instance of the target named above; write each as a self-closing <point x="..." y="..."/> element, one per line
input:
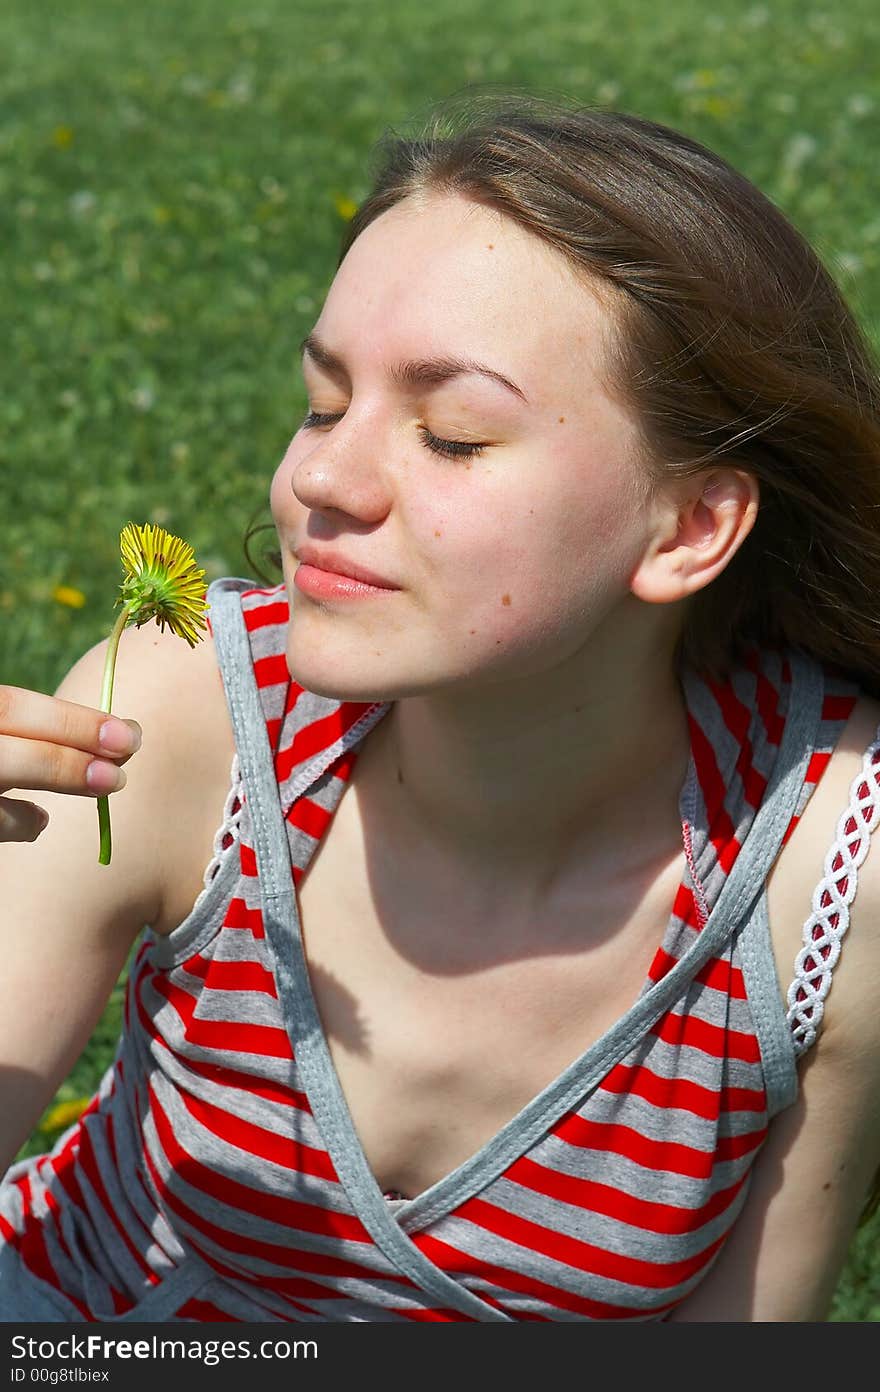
<point x="732" y="345"/>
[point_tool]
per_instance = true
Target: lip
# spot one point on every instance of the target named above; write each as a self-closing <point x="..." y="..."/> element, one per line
<point x="337" y="564"/>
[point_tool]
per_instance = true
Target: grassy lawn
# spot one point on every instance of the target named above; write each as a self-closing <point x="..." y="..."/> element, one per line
<point x="174" y="180"/>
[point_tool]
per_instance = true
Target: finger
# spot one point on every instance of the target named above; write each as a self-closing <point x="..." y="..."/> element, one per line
<point x="32" y="763"/>
<point x="33" y="715"/>
<point x="20" y="820"/>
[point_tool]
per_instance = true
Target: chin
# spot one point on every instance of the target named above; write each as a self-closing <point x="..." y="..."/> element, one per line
<point x="321" y="681"/>
<point x="341" y="681"/>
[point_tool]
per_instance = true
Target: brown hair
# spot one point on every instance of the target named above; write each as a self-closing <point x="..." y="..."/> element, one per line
<point x="733" y="346"/>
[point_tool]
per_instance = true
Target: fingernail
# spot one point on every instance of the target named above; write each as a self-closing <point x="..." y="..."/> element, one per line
<point x="105" y="778"/>
<point x="117" y="737"/>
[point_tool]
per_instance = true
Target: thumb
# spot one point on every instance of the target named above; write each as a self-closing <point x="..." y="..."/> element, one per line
<point x="21" y="820"/>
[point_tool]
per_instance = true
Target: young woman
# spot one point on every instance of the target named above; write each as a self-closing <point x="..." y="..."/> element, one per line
<point x="545" y="782"/>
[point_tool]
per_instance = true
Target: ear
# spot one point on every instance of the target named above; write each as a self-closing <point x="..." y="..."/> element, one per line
<point x="697" y="533"/>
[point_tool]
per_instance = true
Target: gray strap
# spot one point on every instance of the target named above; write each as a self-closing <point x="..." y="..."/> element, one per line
<point x="765" y="998"/>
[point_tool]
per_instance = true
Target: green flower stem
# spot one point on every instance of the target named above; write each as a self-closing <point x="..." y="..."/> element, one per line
<point x="106" y="701"/>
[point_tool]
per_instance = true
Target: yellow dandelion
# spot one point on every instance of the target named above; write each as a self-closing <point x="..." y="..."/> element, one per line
<point x="62" y="137"/>
<point x="63" y="1113"/>
<point x="718" y="106"/>
<point x="69" y="595"/>
<point x="162" y="582"/>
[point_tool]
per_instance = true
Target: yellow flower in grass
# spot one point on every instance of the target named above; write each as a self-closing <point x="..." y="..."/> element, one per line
<point x="345" y="207"/>
<point x="69" y="595"/>
<point x="162" y="582"/>
<point x="63" y="1113"/>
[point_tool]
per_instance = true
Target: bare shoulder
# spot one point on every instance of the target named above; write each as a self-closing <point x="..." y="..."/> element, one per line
<point x="174" y="783"/>
<point x="186" y="719"/>
<point x="166" y="817"/>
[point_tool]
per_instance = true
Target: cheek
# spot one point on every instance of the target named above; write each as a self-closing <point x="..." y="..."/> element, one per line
<point x="540" y="567"/>
<point x="546" y="537"/>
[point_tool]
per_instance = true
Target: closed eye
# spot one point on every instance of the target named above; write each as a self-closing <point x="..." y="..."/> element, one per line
<point x="452" y="449"/>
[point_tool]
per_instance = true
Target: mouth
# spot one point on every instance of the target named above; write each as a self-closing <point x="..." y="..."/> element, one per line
<point x="334" y="563"/>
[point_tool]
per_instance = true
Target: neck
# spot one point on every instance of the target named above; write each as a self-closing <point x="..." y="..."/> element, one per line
<point x="528" y="780"/>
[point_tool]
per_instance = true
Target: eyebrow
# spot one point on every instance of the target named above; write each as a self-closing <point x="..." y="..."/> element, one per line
<point x="413" y="372"/>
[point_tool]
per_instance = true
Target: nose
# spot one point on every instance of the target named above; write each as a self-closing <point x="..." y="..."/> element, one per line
<point x="339" y="469"/>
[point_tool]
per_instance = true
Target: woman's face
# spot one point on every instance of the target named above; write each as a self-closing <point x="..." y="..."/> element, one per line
<point x="505" y="562"/>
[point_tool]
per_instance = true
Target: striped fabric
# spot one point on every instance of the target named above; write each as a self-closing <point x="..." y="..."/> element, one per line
<point x="216" y="1174"/>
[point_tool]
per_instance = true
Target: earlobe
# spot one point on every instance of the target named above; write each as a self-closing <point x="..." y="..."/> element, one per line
<point x="697" y="538"/>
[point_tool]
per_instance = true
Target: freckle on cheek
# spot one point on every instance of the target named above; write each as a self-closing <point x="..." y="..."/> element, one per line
<point x="562" y="420"/>
<point x="505" y="599"/>
<point x="438" y="534"/>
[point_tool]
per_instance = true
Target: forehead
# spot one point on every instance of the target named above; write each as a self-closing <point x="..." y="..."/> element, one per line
<point x="441" y="273"/>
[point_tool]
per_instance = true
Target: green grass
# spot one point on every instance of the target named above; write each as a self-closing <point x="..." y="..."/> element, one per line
<point x="170" y="178"/>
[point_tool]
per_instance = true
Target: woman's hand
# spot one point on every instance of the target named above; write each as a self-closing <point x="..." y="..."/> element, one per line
<point x="54" y="744"/>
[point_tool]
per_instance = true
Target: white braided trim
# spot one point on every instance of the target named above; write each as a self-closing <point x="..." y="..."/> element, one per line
<point x="829" y="920"/>
<point x="229" y="826"/>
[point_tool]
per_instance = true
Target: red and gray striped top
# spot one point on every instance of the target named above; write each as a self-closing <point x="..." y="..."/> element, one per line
<point x="217" y="1175"/>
